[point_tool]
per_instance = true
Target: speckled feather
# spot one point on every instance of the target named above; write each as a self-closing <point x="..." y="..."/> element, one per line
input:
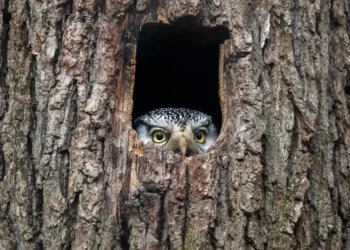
<point x="180" y="116"/>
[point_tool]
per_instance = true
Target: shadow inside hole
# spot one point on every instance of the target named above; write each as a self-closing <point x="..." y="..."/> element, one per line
<point x="347" y="85"/>
<point x="178" y="66"/>
<point x="347" y="89"/>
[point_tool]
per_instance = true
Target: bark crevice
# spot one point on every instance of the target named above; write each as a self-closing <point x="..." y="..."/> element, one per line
<point x="5" y="29"/>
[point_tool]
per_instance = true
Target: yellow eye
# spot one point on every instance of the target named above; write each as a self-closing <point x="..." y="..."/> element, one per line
<point x="199" y="136"/>
<point x="158" y="136"/>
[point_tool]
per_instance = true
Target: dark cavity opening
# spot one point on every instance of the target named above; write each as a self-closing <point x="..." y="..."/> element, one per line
<point x="178" y="66"/>
<point x="347" y="84"/>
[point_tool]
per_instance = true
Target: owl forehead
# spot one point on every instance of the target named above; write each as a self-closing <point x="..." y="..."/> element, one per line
<point x="180" y="116"/>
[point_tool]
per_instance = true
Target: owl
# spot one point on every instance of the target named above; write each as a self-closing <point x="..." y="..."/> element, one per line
<point x="183" y="131"/>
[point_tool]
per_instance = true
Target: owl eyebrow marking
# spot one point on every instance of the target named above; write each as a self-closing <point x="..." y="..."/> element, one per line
<point x="144" y="123"/>
<point x="150" y="126"/>
<point x="205" y="125"/>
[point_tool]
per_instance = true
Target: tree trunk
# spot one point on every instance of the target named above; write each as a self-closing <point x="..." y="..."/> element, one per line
<point x="73" y="175"/>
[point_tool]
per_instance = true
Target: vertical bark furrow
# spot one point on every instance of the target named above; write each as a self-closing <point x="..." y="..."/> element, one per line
<point x="35" y="194"/>
<point x="4" y="31"/>
<point x="186" y="208"/>
<point x="4" y="36"/>
<point x="293" y="148"/>
<point x="296" y="23"/>
<point x="17" y="185"/>
<point x="280" y="123"/>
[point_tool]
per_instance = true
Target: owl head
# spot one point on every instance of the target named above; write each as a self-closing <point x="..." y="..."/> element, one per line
<point x="183" y="131"/>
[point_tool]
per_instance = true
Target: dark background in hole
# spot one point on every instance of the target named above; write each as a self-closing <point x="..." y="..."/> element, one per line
<point x="178" y="66"/>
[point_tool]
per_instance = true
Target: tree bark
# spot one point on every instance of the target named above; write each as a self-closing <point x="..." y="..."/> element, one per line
<point x="73" y="175"/>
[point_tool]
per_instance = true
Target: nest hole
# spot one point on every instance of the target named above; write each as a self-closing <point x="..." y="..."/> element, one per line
<point x="178" y="66"/>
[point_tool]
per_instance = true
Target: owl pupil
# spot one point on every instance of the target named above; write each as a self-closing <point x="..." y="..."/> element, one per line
<point x="199" y="136"/>
<point x="160" y="136"/>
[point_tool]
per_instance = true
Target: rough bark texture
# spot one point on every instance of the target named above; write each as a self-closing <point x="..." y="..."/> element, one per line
<point x="73" y="176"/>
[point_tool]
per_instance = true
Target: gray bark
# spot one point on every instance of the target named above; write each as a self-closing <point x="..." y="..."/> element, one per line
<point x="73" y="175"/>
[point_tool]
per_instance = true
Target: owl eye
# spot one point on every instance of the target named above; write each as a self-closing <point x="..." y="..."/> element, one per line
<point x="199" y="136"/>
<point x="158" y="136"/>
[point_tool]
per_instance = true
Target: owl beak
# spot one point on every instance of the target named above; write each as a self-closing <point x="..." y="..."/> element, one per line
<point x="183" y="145"/>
